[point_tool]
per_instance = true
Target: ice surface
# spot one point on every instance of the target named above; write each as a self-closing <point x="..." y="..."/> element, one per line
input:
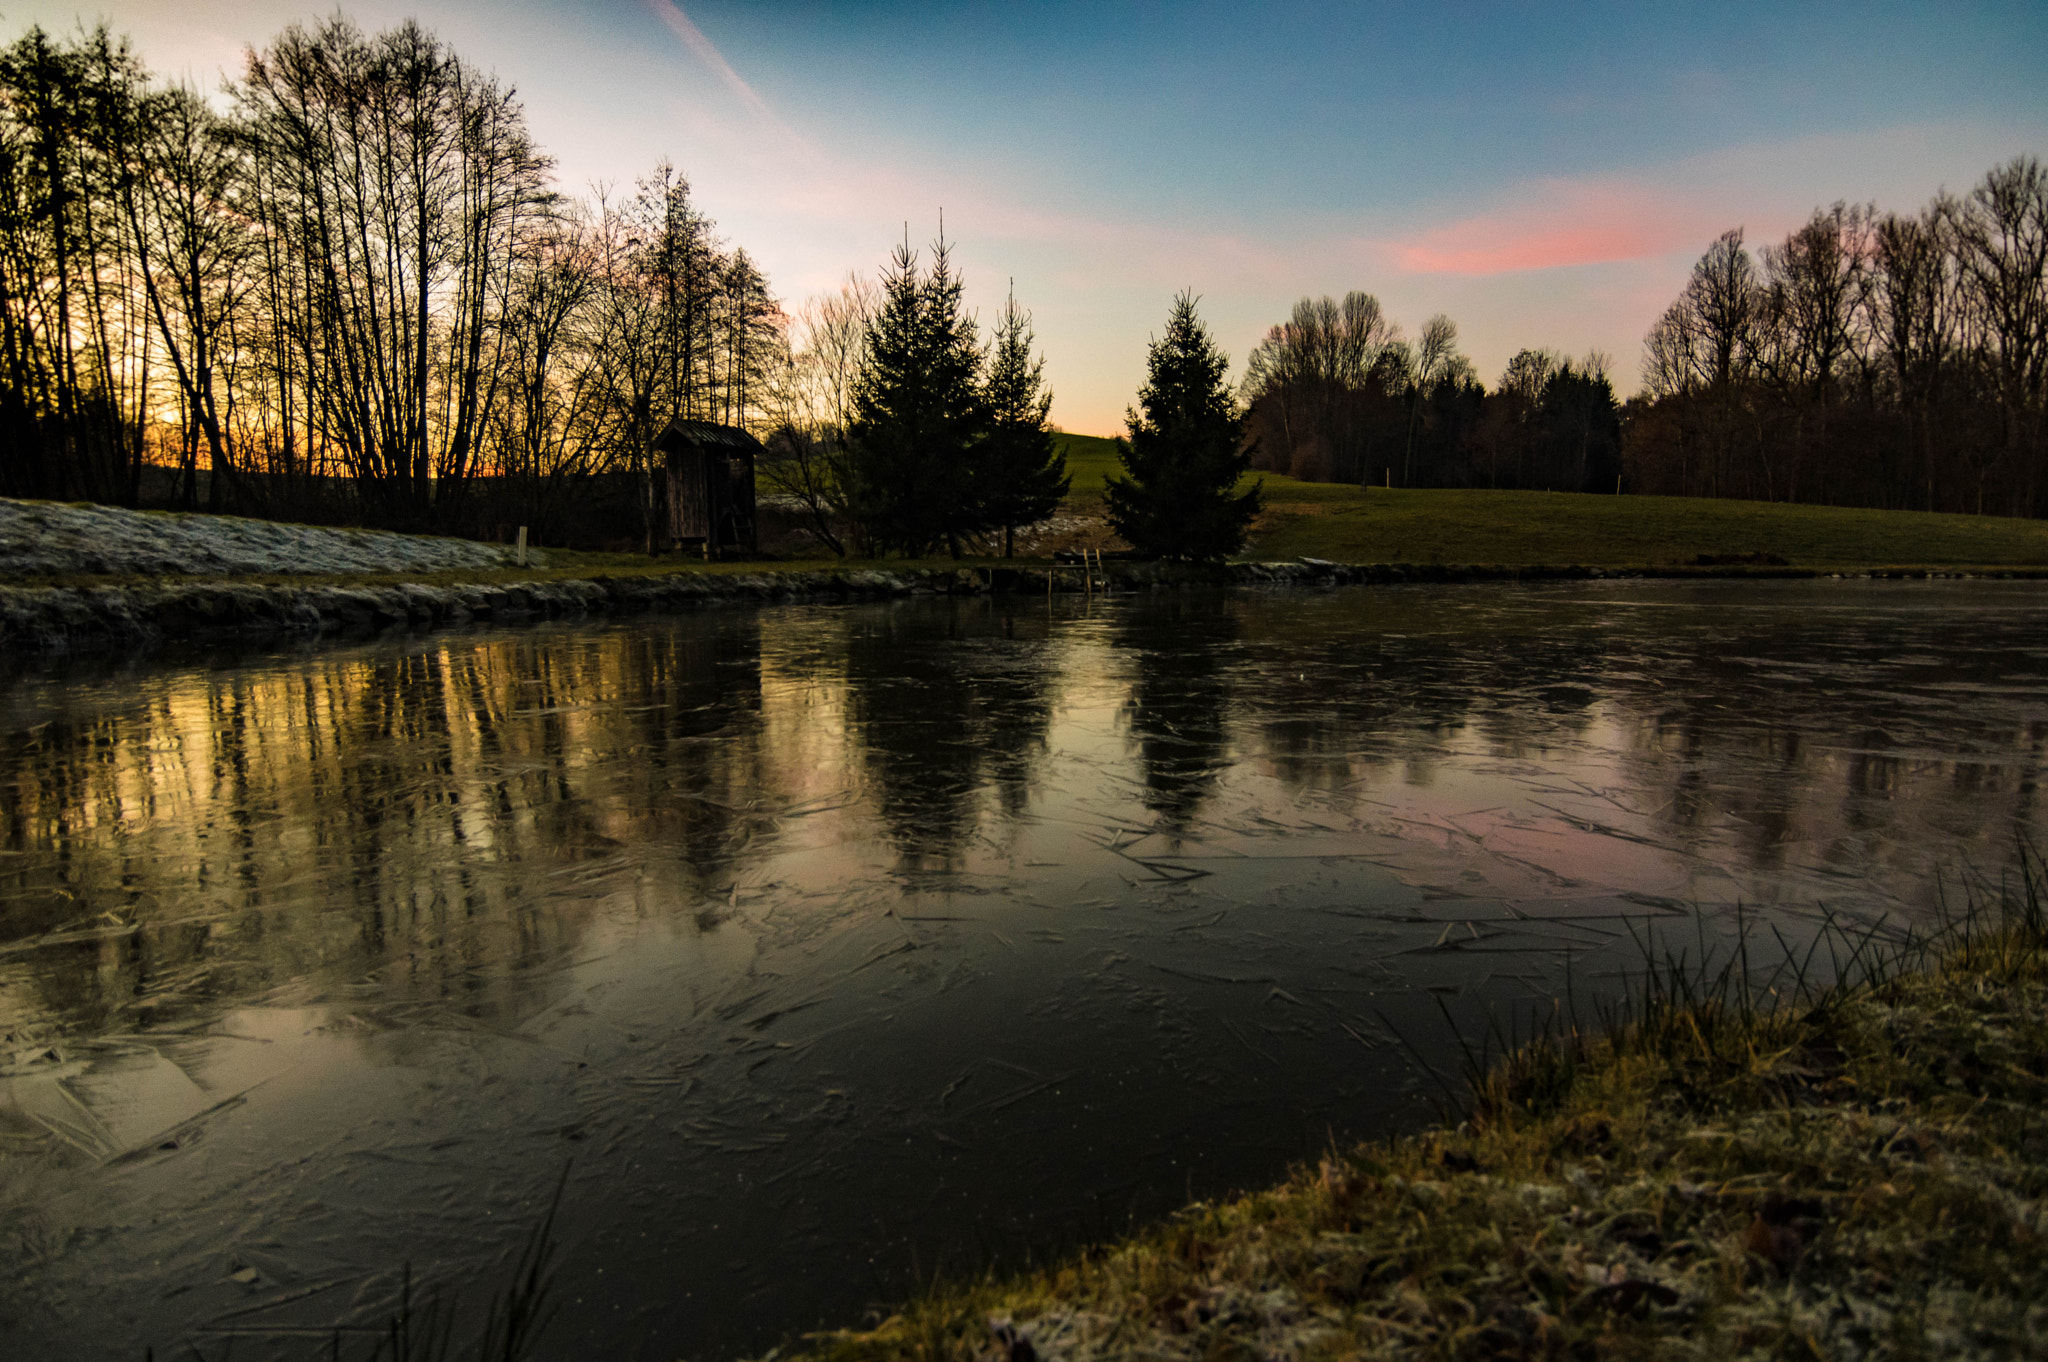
<point x="836" y="945"/>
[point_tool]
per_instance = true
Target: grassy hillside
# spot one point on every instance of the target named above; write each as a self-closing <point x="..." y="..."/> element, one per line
<point x="1439" y="526"/>
<point x="1350" y="524"/>
<point x="1090" y="458"/>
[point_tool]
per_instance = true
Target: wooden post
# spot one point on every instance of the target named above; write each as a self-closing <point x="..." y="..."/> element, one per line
<point x="522" y="546"/>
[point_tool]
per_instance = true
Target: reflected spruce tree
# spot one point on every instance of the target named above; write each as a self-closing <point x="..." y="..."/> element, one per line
<point x="1183" y="652"/>
<point x="1019" y="712"/>
<point x="946" y="700"/>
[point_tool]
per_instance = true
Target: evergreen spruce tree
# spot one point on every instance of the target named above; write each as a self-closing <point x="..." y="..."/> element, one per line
<point x="1185" y="453"/>
<point x="1022" y="473"/>
<point x="919" y="417"/>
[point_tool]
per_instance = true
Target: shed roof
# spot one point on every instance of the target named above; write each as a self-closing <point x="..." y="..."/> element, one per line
<point x="706" y="434"/>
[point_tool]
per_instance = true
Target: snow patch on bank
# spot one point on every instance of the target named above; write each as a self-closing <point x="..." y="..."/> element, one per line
<point x="51" y="539"/>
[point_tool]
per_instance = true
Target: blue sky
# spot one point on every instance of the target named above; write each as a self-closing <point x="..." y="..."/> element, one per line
<point x="1545" y="174"/>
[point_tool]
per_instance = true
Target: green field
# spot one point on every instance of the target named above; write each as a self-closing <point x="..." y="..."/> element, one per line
<point x="1350" y="524"/>
<point x="1090" y="458"/>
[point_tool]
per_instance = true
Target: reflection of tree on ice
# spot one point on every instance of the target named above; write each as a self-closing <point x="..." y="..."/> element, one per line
<point x="939" y="720"/>
<point x="1179" y="706"/>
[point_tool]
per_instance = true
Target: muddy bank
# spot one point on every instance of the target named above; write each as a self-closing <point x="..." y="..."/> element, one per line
<point x="42" y="618"/>
<point x="60" y="617"/>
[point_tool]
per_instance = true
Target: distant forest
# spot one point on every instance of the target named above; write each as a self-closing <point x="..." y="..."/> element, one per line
<point x="1335" y="394"/>
<point x="1869" y="359"/>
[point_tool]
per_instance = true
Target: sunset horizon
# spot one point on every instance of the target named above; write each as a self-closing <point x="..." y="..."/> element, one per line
<point x="1546" y="182"/>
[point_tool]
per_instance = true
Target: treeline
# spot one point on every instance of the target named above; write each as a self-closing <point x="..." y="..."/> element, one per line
<point x="1336" y="394"/>
<point x="346" y="290"/>
<point x="1873" y="359"/>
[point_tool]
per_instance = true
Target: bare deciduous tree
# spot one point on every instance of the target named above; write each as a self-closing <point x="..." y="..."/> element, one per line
<point x="1880" y="358"/>
<point x="400" y="183"/>
<point x="1316" y="375"/>
<point x="812" y="406"/>
<point x="2001" y="244"/>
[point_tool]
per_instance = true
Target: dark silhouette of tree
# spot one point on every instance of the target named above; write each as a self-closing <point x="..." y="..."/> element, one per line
<point x="1447" y="436"/>
<point x="1321" y="386"/>
<point x="2001" y="242"/>
<point x="553" y="425"/>
<point x="1022" y="475"/>
<point x="1512" y="425"/>
<point x="1437" y="362"/>
<point x="1185" y="453"/>
<point x="919" y="414"/>
<point x="74" y="370"/>
<point x="195" y="255"/>
<point x="1872" y="359"/>
<point x="1581" y="428"/>
<point x="812" y="406"/>
<point x="401" y="182"/>
<point x="748" y="322"/>
<point x="1916" y="307"/>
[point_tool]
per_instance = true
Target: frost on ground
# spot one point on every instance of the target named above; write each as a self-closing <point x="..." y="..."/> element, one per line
<point x="50" y="539"/>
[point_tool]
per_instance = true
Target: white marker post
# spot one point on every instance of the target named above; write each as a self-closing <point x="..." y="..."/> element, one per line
<point x="522" y="546"/>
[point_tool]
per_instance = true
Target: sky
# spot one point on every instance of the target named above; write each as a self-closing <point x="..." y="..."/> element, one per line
<point x="1544" y="174"/>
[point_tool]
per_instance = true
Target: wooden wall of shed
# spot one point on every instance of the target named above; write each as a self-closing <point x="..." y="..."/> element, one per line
<point x="689" y="494"/>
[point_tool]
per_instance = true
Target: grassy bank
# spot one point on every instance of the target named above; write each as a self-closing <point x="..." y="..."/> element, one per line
<point x="1729" y="1167"/>
<point x="1349" y="524"/>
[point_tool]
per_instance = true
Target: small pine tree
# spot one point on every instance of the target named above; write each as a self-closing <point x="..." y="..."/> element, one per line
<point x="918" y="412"/>
<point x="1185" y="453"/>
<point x="1022" y="473"/>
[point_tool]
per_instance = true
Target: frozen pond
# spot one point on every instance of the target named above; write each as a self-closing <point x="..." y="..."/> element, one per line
<point x="830" y="947"/>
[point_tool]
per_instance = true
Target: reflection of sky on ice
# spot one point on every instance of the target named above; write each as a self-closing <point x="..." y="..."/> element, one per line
<point x="836" y="944"/>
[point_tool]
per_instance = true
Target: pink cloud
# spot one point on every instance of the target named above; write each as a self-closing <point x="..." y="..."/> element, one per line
<point x="1560" y="222"/>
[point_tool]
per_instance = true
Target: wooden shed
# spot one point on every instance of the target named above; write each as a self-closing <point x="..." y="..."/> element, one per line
<point x="710" y="487"/>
